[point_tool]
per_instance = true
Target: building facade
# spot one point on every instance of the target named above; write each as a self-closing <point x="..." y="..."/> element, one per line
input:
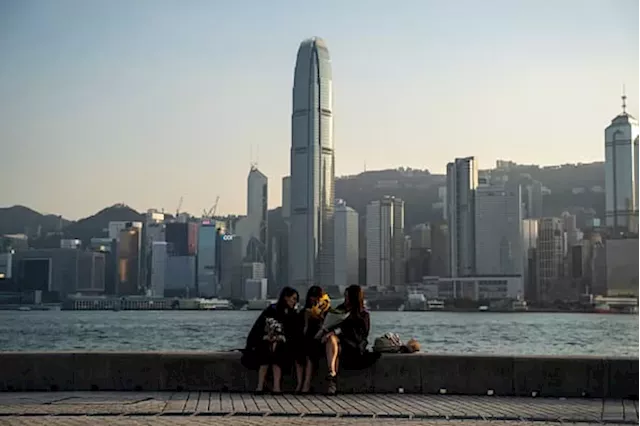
<point x="498" y="234"/>
<point x="621" y="173"/>
<point x="550" y="257"/>
<point x="462" y="181"/>
<point x="312" y="174"/>
<point x="346" y="245"/>
<point x="253" y="227"/>
<point x="385" y="243"/>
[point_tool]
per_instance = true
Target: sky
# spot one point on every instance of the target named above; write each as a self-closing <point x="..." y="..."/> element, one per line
<point x="143" y="102"/>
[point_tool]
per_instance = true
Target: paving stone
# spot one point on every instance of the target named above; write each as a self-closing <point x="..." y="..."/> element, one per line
<point x="205" y="406"/>
<point x="246" y="421"/>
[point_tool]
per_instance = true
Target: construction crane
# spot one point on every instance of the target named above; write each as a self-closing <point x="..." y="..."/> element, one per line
<point x="179" y="206"/>
<point x="209" y="214"/>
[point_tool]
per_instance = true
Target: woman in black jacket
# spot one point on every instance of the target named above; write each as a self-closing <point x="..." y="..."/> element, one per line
<point x="270" y="339"/>
<point x="347" y="342"/>
<point x="310" y="349"/>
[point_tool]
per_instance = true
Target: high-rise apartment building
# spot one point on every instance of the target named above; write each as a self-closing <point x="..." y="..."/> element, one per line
<point x="385" y="243"/>
<point x="311" y="234"/>
<point x="253" y="227"/>
<point x="498" y="236"/>
<point x="462" y="181"/>
<point x="346" y="245"/>
<point x="621" y="173"/>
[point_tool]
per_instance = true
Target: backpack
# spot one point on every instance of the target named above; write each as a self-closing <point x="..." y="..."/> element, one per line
<point x="389" y="343"/>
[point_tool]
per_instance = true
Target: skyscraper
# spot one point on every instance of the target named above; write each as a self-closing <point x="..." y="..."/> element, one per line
<point x="253" y="227"/>
<point x="621" y="172"/>
<point x="462" y="181"/>
<point x="346" y="245"/>
<point x="385" y="243"/>
<point x="498" y="225"/>
<point x="311" y="255"/>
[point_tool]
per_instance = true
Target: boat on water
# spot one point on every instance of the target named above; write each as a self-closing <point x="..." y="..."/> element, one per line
<point x="215" y="305"/>
<point x="483" y="308"/>
<point x="435" y="305"/>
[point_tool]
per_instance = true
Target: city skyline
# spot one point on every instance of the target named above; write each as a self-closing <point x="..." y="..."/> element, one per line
<point x="102" y="103"/>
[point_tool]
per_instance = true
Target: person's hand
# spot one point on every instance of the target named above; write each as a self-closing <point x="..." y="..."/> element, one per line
<point x="327" y="336"/>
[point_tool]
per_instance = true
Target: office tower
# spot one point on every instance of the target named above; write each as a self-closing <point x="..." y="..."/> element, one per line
<point x="230" y="269"/>
<point x="346" y="245"/>
<point x="253" y="227"/>
<point x="181" y="277"/>
<point x="115" y="227"/>
<point x="498" y="221"/>
<point x="439" y="260"/>
<point x="286" y="198"/>
<point x="550" y="255"/>
<point x="419" y="253"/>
<point x="182" y="238"/>
<point x="158" y="268"/>
<point x="529" y="244"/>
<point x="533" y="200"/>
<point x="385" y="242"/>
<point x="207" y="245"/>
<point x="462" y="181"/>
<point x="621" y="173"/>
<point x="129" y="261"/>
<point x="312" y="169"/>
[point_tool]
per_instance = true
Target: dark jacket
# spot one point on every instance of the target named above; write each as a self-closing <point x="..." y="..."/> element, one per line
<point x="354" y="332"/>
<point x="257" y="350"/>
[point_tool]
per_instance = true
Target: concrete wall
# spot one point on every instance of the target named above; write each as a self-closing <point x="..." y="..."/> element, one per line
<point x="417" y="373"/>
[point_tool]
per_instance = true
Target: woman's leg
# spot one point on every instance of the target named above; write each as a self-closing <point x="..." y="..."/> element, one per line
<point x="299" y="375"/>
<point x="308" y="372"/>
<point x="277" y="377"/>
<point x="332" y="349"/>
<point x="262" y="374"/>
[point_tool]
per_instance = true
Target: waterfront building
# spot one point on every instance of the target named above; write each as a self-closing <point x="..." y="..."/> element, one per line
<point x="346" y="245"/>
<point x="311" y="234"/>
<point x="621" y="173"/>
<point x="462" y="181"/>
<point x="385" y="243"/>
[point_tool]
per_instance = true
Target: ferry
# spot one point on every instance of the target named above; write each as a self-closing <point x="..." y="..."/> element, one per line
<point x="435" y="305"/>
<point x="215" y="305"/>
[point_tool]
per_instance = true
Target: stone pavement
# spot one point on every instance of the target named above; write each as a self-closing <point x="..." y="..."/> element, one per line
<point x="194" y="408"/>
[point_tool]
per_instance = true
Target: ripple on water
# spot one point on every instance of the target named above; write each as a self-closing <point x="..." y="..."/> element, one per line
<point x="543" y="334"/>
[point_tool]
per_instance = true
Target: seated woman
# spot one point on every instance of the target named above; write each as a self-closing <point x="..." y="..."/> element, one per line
<point x="310" y="350"/>
<point x="347" y="342"/>
<point x="270" y="339"/>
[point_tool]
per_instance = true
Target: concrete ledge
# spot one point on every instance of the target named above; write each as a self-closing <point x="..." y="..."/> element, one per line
<point x="591" y="377"/>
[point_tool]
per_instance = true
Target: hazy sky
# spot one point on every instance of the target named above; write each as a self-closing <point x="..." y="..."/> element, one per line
<point x="142" y="102"/>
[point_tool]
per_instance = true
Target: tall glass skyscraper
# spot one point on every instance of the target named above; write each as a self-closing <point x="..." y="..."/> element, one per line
<point x="311" y="251"/>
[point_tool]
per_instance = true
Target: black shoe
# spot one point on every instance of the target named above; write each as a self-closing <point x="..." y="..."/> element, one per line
<point x="332" y="385"/>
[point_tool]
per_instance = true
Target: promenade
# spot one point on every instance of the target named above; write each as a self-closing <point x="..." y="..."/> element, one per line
<point x="195" y="408"/>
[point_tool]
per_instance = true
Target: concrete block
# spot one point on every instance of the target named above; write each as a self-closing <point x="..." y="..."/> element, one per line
<point x="204" y="372"/>
<point x="559" y="376"/>
<point x="37" y="371"/>
<point x="466" y="374"/>
<point x="621" y="378"/>
<point x="119" y="371"/>
<point x="394" y="371"/>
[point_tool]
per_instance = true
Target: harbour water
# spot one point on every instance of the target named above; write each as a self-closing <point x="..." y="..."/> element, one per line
<point x="442" y="332"/>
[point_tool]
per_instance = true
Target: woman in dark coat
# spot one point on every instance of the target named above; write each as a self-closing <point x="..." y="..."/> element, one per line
<point x="270" y="339"/>
<point x="347" y="342"/>
<point x="310" y="349"/>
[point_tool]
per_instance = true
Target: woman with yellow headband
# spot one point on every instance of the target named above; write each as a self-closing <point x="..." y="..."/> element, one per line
<point x="311" y="350"/>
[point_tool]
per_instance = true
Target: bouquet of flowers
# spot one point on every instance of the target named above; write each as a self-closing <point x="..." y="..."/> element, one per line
<point x="273" y="331"/>
<point x="333" y="318"/>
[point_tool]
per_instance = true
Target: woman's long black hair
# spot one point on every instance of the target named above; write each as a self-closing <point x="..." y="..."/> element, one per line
<point x="314" y="291"/>
<point x="281" y="305"/>
<point x="355" y="297"/>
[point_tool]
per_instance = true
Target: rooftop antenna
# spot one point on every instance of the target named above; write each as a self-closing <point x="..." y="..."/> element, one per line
<point x="624" y="100"/>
